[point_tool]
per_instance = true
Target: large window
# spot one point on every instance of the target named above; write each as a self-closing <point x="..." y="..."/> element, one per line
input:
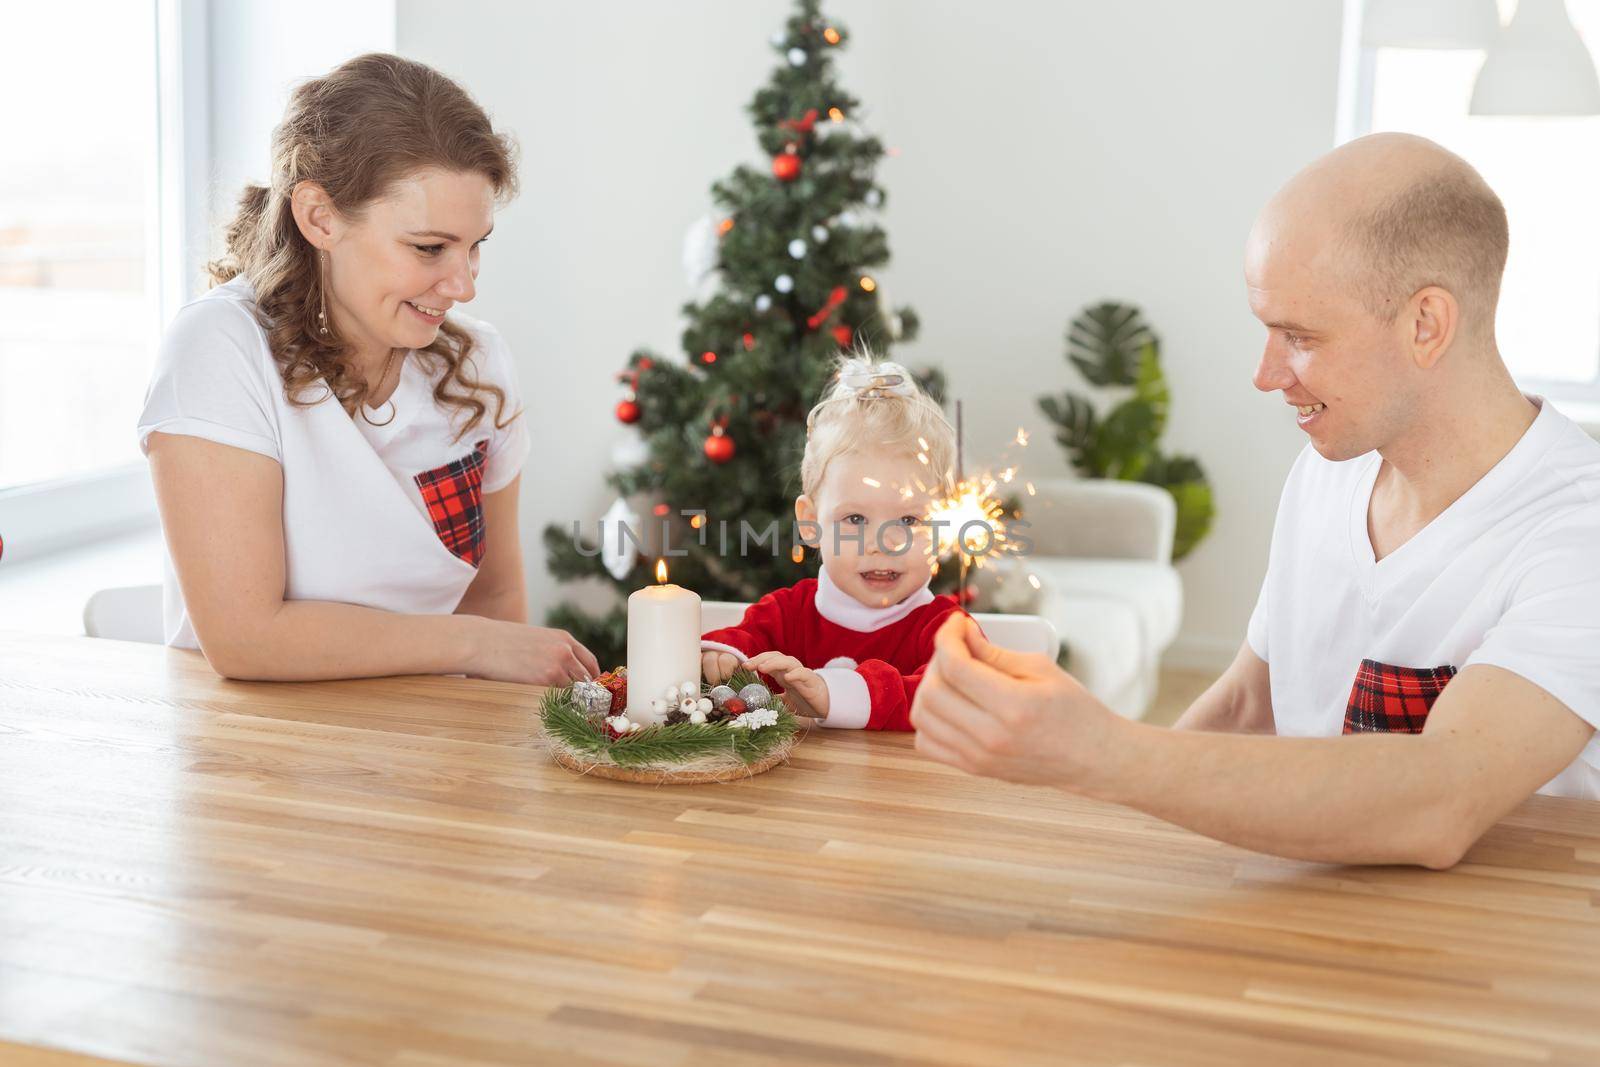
<point x="1547" y="172"/>
<point x="80" y="259"/>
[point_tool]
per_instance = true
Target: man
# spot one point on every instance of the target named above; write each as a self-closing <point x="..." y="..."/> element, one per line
<point x="1434" y="581"/>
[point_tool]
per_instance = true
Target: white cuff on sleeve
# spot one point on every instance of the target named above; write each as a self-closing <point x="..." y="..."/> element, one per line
<point x="718" y="646"/>
<point x="849" y="703"/>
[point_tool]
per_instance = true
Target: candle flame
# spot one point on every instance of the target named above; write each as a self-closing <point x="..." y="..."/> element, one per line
<point x="661" y="572"/>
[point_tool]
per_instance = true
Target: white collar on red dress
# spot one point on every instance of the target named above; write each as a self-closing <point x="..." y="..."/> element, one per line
<point x="842" y="609"/>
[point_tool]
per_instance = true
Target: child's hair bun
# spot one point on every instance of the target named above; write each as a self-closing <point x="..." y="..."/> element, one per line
<point x="874" y="403"/>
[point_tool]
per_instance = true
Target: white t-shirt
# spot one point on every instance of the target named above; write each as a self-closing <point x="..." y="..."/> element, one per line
<point x="1508" y="575"/>
<point x="386" y="517"/>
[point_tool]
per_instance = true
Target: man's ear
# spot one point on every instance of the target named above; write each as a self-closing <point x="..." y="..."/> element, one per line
<point x="315" y="216"/>
<point x="1435" y="317"/>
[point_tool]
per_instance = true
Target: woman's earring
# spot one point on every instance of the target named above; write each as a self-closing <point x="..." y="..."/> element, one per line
<point x="322" y="290"/>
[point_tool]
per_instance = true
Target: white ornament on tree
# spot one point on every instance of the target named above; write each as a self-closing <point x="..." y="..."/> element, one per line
<point x="783" y="283"/>
<point x="700" y="249"/>
<point x="763" y="303"/>
<point x="797" y="57"/>
<point x="797" y="249"/>
<point x="629" y="451"/>
<point x="616" y="552"/>
<point x="873" y="198"/>
<point x="819" y="234"/>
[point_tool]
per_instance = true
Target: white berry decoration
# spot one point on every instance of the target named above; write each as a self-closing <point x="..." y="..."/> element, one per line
<point x="697" y="717"/>
<point x="704" y="705"/>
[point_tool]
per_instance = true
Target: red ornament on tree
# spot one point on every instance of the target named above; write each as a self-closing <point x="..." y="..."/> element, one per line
<point x="842" y="334"/>
<point x="719" y="446"/>
<point x="628" y="411"/>
<point x="786" y="168"/>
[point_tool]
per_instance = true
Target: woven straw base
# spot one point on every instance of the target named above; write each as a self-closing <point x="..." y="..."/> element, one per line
<point x="668" y="775"/>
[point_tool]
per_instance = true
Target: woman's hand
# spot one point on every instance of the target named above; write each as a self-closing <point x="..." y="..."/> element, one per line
<point x="533" y="655"/>
<point x="718" y="667"/>
<point x="806" y="691"/>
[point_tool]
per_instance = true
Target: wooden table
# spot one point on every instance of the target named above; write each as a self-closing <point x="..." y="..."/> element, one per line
<point x="195" y="871"/>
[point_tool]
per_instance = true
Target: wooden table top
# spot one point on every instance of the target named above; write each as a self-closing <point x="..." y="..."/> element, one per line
<point x="195" y="871"/>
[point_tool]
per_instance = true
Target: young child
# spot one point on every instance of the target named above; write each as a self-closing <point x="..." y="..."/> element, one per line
<point x="849" y="646"/>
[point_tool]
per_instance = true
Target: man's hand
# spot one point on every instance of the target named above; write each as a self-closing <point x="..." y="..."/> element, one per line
<point x="806" y="691"/>
<point x="718" y="667"/>
<point x="1006" y="714"/>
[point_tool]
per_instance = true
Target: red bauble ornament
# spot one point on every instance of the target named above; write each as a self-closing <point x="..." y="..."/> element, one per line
<point x="719" y="447"/>
<point x="628" y="411"/>
<point x="735" y="707"/>
<point x="842" y="334"/>
<point x="786" y="168"/>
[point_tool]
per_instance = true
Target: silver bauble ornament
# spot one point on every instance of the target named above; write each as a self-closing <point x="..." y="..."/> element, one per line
<point x="755" y="695"/>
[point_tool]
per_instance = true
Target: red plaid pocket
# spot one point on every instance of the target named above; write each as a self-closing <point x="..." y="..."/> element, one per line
<point x="1393" y="700"/>
<point x="454" y="495"/>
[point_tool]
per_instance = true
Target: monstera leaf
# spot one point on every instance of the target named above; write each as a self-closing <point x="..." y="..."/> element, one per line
<point x="1112" y="346"/>
<point x="1105" y="343"/>
<point x="1076" y="428"/>
<point x="1183" y="477"/>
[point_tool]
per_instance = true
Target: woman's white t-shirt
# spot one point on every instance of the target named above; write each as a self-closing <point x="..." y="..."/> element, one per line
<point x="1508" y="575"/>
<point x="386" y="517"/>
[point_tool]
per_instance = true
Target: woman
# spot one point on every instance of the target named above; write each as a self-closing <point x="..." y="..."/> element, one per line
<point x="336" y="451"/>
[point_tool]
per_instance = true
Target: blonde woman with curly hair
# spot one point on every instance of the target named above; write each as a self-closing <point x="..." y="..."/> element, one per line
<point x="336" y="449"/>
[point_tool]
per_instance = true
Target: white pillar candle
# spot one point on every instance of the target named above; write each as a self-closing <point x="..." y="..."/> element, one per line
<point x="663" y="645"/>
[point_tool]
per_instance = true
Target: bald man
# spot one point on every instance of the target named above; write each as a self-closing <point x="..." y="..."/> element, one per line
<point x="1426" y="645"/>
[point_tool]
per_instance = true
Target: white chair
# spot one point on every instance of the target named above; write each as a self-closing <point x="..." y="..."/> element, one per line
<point x="128" y="613"/>
<point x="1020" y="633"/>
<point x="1102" y="558"/>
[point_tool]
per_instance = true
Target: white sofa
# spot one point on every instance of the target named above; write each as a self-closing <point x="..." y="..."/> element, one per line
<point x="1102" y="552"/>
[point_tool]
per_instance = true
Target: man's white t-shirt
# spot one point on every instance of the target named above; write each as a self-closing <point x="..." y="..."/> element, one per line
<point x="1508" y="575"/>
<point x="386" y="517"/>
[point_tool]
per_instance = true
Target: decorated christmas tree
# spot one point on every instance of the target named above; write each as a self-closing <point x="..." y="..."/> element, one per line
<point x="788" y="260"/>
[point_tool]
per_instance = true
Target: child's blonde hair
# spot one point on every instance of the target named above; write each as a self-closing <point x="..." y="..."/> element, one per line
<point x="869" y="405"/>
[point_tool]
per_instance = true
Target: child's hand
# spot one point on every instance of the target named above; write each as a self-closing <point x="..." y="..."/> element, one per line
<point x="718" y="667"/>
<point x="806" y="691"/>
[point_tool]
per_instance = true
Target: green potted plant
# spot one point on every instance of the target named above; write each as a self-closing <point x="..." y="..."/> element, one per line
<point x="1116" y="351"/>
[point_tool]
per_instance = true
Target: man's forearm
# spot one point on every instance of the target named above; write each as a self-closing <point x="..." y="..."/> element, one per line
<point x="1334" y="799"/>
<point x="310" y="640"/>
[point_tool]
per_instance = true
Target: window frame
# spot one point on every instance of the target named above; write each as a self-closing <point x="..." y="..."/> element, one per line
<point x="61" y="513"/>
<point x="1357" y="82"/>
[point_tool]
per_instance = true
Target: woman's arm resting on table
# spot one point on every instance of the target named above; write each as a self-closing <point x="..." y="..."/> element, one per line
<point x="1239" y="702"/>
<point x="222" y="515"/>
<point x="499" y="590"/>
<point x="1491" y="740"/>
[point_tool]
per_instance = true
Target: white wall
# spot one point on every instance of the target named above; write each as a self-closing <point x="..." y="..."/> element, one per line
<point x="258" y="52"/>
<point x="1052" y="154"/>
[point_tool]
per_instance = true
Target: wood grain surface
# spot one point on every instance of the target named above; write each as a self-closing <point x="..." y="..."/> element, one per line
<point x="195" y="871"/>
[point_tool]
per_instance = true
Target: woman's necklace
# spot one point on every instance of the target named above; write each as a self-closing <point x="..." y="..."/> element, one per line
<point x="393" y="410"/>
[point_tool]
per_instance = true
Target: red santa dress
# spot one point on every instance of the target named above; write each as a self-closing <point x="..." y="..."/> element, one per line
<point x="871" y="659"/>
